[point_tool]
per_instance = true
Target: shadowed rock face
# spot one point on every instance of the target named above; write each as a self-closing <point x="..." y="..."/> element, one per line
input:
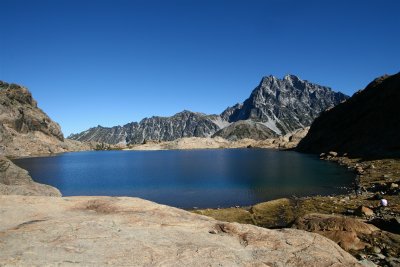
<point x="98" y="231"/>
<point x="282" y="106"/>
<point x="366" y="124"/>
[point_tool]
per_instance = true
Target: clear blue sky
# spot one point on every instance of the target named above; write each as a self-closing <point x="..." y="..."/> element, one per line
<point x="113" y="62"/>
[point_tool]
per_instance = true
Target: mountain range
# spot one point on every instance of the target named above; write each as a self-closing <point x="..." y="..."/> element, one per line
<point x="275" y="107"/>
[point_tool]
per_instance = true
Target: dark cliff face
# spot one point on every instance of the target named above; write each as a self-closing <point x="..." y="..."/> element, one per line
<point x="366" y="124"/>
<point x="19" y="112"/>
<point x="278" y="107"/>
<point x="285" y="105"/>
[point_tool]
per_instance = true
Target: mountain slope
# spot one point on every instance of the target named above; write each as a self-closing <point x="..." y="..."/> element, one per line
<point x="366" y="124"/>
<point x="281" y="106"/>
<point x="25" y="129"/>
<point x="285" y="104"/>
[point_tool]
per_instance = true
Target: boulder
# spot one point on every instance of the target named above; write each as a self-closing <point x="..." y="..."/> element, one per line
<point x="364" y="211"/>
<point x="359" y="170"/>
<point x="332" y="153"/>
<point x="394" y="186"/>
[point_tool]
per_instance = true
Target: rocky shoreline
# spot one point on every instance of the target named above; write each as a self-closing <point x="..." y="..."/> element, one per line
<point x="339" y="217"/>
<point x="356" y="221"/>
<point x="38" y="227"/>
<point x="287" y="141"/>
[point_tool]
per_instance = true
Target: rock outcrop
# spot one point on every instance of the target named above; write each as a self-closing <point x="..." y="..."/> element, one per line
<point x="25" y="129"/>
<point x="291" y="140"/>
<point x="99" y="231"/>
<point x="19" y="111"/>
<point x="275" y="107"/>
<point x="16" y="181"/>
<point x="245" y="129"/>
<point x="363" y="240"/>
<point x="366" y="124"/>
<point x="343" y="230"/>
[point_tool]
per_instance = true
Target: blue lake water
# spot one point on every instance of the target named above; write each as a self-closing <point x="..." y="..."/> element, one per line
<point x="191" y="178"/>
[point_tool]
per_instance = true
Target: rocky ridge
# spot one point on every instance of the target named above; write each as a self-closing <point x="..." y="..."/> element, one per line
<point x="25" y="130"/>
<point x="180" y="125"/>
<point x="276" y="107"/>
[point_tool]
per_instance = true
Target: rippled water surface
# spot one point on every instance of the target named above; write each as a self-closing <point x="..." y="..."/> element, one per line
<point x="190" y="178"/>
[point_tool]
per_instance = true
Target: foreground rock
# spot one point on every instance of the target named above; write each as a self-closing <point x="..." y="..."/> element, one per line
<point x="97" y="231"/>
<point x="16" y="181"/>
<point x="25" y="130"/>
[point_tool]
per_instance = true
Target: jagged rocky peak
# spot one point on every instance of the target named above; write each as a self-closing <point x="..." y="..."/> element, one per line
<point x="285" y="105"/>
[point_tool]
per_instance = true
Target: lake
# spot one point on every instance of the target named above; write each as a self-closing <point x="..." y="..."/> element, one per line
<point x="191" y="178"/>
